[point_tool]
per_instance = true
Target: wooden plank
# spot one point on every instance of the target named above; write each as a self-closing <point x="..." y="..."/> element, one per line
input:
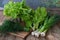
<point x="18" y="38"/>
<point x="20" y="34"/>
<point x="29" y="37"/>
<point x="10" y="37"/>
<point x="42" y="38"/>
<point x="3" y="37"/>
<point x="36" y="38"/>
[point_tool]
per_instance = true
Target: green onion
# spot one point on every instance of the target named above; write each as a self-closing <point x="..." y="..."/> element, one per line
<point x="49" y="22"/>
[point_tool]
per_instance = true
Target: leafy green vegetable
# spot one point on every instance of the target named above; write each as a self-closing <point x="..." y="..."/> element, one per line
<point x="9" y="26"/>
<point x="39" y="16"/>
<point x="13" y="9"/>
<point x="18" y="10"/>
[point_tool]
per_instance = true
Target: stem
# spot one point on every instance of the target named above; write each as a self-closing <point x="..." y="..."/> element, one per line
<point x="41" y="30"/>
<point x="45" y="30"/>
<point x="35" y="26"/>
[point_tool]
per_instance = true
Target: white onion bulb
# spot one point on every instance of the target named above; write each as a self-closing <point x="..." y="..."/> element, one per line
<point x="43" y="34"/>
<point x="37" y="34"/>
<point x="32" y="33"/>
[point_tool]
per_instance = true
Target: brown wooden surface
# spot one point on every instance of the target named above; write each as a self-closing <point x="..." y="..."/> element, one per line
<point x="10" y="37"/>
<point x="20" y="34"/>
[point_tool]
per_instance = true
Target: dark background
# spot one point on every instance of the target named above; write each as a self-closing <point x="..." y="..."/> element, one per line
<point x="33" y="3"/>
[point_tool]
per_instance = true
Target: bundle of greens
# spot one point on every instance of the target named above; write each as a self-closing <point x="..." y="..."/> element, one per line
<point x="39" y="17"/>
<point x="48" y="23"/>
<point x="9" y="26"/>
<point x="18" y="10"/>
<point x="11" y="9"/>
<point x="15" y="9"/>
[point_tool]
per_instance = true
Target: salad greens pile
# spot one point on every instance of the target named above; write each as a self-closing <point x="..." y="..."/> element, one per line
<point x="37" y="20"/>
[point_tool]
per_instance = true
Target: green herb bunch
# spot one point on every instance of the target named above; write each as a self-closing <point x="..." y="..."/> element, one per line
<point x="18" y="10"/>
<point x="13" y="9"/>
<point x="9" y="26"/>
<point x="39" y="17"/>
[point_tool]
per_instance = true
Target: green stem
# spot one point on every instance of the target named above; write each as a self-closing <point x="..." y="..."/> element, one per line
<point x="45" y="30"/>
<point x="41" y="30"/>
<point x="35" y="26"/>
